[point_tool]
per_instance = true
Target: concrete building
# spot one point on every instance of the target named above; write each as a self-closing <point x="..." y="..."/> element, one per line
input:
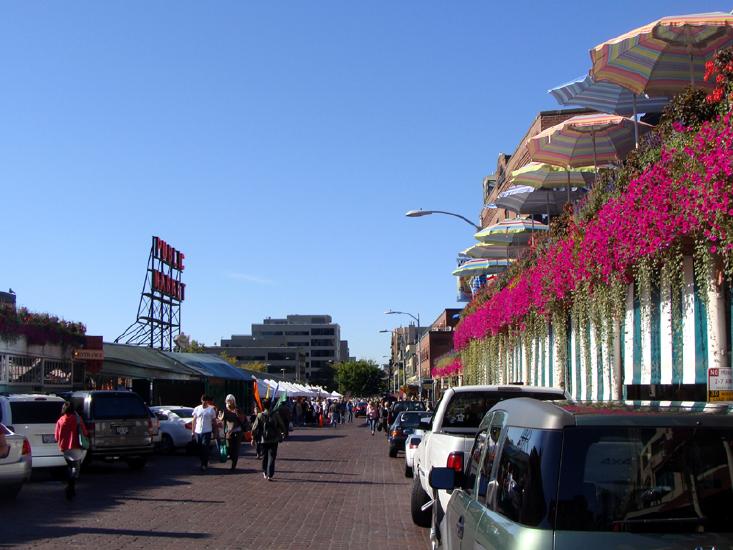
<point x="298" y="347"/>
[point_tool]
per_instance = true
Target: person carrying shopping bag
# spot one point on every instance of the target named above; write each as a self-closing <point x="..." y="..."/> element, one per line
<point x="235" y="424"/>
<point x="268" y="429"/>
<point x="71" y="437"/>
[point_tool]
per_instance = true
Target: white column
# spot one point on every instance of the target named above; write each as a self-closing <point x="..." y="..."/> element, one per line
<point x="646" y="336"/>
<point x="629" y="336"/>
<point x="573" y="364"/>
<point x="558" y="374"/>
<point x="665" y="338"/>
<point x="717" y="340"/>
<point x="593" y="363"/>
<point x="582" y="366"/>
<point x="688" y="323"/>
<point x="615" y="363"/>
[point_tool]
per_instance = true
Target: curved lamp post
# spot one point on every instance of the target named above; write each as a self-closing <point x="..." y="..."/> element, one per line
<point x="420" y="213"/>
<point x="417" y="320"/>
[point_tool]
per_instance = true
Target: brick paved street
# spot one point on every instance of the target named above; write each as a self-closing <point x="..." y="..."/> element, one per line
<point x="332" y="489"/>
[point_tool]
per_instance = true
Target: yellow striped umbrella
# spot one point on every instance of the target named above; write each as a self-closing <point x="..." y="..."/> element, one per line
<point x="665" y="56"/>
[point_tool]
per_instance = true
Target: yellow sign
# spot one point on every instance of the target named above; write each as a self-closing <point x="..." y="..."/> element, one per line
<point x="720" y="395"/>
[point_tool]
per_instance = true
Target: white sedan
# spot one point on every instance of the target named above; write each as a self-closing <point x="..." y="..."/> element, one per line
<point x="413" y="440"/>
<point x="15" y="462"/>
<point x="175" y="427"/>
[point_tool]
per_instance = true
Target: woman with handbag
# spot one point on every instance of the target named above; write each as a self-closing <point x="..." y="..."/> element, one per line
<point x="235" y="424"/>
<point x="71" y="437"/>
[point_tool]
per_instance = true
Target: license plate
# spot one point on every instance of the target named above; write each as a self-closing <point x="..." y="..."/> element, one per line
<point x="48" y="438"/>
<point x="122" y="430"/>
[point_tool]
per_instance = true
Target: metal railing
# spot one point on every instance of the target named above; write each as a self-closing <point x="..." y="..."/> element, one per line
<point x="30" y="370"/>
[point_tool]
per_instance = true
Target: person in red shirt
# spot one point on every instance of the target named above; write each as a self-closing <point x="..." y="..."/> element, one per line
<point x="67" y="438"/>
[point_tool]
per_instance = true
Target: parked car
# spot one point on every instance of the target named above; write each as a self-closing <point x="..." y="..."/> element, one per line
<point x="175" y="427"/>
<point x="34" y="416"/>
<point x="16" y="462"/>
<point x="360" y="408"/>
<point x="403" y="426"/>
<point x="119" y="424"/>
<point x="157" y="436"/>
<point x="411" y="444"/>
<point x="401" y="406"/>
<point x="583" y="475"/>
<point x="449" y="438"/>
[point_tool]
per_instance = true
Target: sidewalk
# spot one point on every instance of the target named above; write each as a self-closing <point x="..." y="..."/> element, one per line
<point x="333" y="489"/>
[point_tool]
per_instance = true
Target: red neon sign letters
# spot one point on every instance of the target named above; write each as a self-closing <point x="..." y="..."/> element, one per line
<point x="162" y="282"/>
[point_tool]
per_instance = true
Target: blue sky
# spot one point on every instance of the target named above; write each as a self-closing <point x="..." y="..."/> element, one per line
<point x="278" y="144"/>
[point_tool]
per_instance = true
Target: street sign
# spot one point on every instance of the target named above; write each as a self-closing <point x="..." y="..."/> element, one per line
<point x="89" y="355"/>
<point x="720" y="384"/>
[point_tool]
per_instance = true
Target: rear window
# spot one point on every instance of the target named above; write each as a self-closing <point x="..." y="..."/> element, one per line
<point x="183" y="412"/>
<point x="646" y="480"/>
<point x="35" y="412"/>
<point x="412" y="419"/>
<point x="467" y="409"/>
<point x="118" y="406"/>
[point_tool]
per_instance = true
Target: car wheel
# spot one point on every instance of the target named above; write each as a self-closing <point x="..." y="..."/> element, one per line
<point x="166" y="445"/>
<point x="137" y="463"/>
<point x="11" y="491"/>
<point x="392" y="451"/>
<point x="418" y="499"/>
<point x="408" y="471"/>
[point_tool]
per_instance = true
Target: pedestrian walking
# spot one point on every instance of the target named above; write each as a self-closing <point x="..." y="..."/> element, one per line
<point x="235" y="424"/>
<point x="202" y="427"/>
<point x="68" y="427"/>
<point x="372" y="415"/>
<point x="334" y="413"/>
<point x="268" y="429"/>
<point x="384" y="417"/>
<point x="350" y="411"/>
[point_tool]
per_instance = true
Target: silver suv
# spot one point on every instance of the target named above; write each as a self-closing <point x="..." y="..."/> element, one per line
<point x="119" y="423"/>
<point x="34" y="416"/>
<point x="594" y="475"/>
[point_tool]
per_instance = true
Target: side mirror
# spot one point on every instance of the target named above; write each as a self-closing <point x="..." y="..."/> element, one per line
<point x="442" y="478"/>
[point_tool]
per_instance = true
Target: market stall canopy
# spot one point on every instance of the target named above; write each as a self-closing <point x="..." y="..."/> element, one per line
<point x="516" y="231"/>
<point x="665" y="56"/>
<point x="209" y="365"/>
<point x="336" y="394"/>
<point x="144" y="362"/>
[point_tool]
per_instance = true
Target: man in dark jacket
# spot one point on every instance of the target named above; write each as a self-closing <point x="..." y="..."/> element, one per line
<point x="268" y="430"/>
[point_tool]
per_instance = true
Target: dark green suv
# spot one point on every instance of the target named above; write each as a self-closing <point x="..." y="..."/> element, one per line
<point x="560" y="475"/>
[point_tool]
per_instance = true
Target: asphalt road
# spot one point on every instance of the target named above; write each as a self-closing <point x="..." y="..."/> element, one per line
<point x="333" y="488"/>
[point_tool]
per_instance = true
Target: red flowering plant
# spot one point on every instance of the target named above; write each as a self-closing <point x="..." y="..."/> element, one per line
<point x="720" y="70"/>
<point x="39" y="328"/>
<point x="448" y="364"/>
<point x="683" y="195"/>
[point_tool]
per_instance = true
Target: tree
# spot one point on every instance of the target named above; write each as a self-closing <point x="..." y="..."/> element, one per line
<point x="363" y="378"/>
<point x="192" y="346"/>
<point x="254" y="366"/>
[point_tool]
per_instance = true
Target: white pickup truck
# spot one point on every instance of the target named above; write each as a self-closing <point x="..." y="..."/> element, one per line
<point x="450" y="438"/>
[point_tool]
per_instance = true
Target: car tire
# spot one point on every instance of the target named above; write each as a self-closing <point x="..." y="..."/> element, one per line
<point x="167" y="447"/>
<point x="408" y="471"/>
<point x="392" y="451"/>
<point x="11" y="491"/>
<point x="418" y="498"/>
<point x="137" y="463"/>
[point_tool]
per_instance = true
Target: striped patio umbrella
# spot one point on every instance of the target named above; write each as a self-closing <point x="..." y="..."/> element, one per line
<point x="539" y="175"/>
<point x="517" y="231"/>
<point x="606" y="97"/>
<point x="585" y="139"/>
<point x="524" y="199"/>
<point x="665" y="56"/>
<point x="494" y="251"/>
<point x="481" y="267"/>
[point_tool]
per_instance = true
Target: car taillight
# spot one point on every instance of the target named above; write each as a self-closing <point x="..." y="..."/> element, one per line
<point x="26" y="447"/>
<point x="414" y="443"/>
<point x="455" y="462"/>
<point x="150" y="426"/>
<point x="187" y="425"/>
<point x="395" y="433"/>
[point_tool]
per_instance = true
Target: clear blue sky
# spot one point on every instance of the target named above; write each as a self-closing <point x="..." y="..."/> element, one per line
<point x="278" y="144"/>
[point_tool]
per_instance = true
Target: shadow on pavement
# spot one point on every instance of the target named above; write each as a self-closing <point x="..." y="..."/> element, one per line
<point x="313" y="437"/>
<point x="339" y="482"/>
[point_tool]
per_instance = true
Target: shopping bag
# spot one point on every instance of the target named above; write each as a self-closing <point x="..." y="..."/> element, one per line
<point x="223" y="450"/>
<point x="248" y="436"/>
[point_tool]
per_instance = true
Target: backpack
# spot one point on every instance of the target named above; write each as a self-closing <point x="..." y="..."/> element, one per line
<point x="269" y="428"/>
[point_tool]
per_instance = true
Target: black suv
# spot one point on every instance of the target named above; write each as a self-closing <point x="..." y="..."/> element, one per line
<point x="119" y="424"/>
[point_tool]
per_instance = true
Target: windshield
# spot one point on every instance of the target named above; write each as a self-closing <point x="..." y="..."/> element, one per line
<point x="646" y="479"/>
<point x="182" y="412"/>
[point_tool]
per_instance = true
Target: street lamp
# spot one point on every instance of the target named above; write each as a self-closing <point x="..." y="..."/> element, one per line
<point x="417" y="320"/>
<point x="420" y="213"/>
<point x="283" y="371"/>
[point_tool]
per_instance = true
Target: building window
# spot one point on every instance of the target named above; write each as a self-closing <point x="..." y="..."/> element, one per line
<point x="322" y="353"/>
<point x="323" y="332"/>
<point x="322" y="342"/>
